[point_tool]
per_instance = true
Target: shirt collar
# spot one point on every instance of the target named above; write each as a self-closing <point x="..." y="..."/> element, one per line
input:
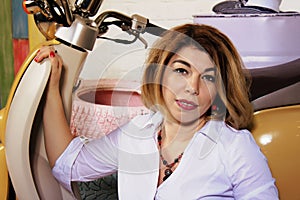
<point x="155" y="119"/>
<point x="211" y="132"/>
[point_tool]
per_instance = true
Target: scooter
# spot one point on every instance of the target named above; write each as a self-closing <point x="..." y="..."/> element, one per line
<point x="73" y="33"/>
<point x="74" y="30"/>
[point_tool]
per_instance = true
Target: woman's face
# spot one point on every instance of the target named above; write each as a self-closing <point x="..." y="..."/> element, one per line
<point x="189" y="84"/>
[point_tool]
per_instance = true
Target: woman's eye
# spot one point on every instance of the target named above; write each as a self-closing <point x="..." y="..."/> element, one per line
<point x="210" y="78"/>
<point x="181" y="71"/>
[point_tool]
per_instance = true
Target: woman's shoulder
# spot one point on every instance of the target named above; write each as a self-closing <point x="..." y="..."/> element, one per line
<point x="232" y="139"/>
<point x="227" y="135"/>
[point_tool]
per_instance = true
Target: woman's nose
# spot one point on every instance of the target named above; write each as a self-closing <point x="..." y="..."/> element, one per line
<point x="193" y="85"/>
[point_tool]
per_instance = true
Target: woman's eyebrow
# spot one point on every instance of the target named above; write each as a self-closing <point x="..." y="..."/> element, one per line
<point x="189" y="65"/>
<point x="214" y="69"/>
<point x="182" y="62"/>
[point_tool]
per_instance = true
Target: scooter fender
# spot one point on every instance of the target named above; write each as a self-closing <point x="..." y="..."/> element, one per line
<point x="26" y="157"/>
<point x="19" y="124"/>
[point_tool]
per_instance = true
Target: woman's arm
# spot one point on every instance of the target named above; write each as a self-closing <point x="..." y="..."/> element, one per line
<point x="56" y="128"/>
<point x="248" y="168"/>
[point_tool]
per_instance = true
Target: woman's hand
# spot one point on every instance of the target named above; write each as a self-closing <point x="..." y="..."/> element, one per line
<point x="56" y="65"/>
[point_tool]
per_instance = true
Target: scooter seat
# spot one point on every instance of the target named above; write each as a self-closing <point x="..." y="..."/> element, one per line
<point x="269" y="79"/>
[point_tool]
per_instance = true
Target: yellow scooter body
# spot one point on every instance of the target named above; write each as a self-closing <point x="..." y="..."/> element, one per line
<point x="277" y="132"/>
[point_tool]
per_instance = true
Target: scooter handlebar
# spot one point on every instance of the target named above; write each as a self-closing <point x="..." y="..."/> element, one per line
<point x="136" y="23"/>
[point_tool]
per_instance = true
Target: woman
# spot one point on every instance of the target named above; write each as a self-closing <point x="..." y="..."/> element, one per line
<point x="193" y="145"/>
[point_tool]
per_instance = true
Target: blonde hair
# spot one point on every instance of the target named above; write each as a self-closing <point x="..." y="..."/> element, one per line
<point x="232" y="79"/>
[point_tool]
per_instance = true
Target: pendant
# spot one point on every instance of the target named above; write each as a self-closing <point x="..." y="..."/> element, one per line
<point x="168" y="173"/>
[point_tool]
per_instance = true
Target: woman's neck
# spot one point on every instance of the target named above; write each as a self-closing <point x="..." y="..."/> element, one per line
<point x="174" y="131"/>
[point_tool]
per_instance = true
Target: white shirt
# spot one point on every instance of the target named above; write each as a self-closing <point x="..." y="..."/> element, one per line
<point x="218" y="163"/>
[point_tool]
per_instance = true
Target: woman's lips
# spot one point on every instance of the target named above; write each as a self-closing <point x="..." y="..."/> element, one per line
<point x="186" y="105"/>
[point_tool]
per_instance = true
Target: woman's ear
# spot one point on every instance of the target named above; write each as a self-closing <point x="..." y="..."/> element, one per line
<point x="218" y="107"/>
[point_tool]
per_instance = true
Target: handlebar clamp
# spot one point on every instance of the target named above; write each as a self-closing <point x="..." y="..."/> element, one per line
<point x="139" y="23"/>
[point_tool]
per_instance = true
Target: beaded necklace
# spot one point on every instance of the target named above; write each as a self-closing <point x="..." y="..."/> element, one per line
<point x="168" y="170"/>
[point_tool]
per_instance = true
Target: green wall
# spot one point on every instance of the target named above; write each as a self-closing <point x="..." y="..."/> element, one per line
<point x="6" y="51"/>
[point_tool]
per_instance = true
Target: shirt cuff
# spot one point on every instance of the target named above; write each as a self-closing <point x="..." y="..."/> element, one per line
<point x="62" y="169"/>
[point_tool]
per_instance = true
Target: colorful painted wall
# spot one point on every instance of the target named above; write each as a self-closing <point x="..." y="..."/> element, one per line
<point x="18" y="34"/>
<point x="14" y="43"/>
<point x="6" y="50"/>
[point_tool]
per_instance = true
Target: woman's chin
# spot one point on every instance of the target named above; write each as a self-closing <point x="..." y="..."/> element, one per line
<point x="187" y="120"/>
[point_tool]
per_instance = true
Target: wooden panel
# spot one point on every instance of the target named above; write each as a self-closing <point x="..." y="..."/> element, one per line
<point x="6" y="51"/>
<point x="6" y="78"/>
<point x="19" y="18"/>
<point x="21" y="49"/>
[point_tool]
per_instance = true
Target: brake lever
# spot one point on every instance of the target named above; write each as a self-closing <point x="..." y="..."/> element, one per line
<point x="125" y="28"/>
<point x="135" y="25"/>
<point x="138" y="36"/>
